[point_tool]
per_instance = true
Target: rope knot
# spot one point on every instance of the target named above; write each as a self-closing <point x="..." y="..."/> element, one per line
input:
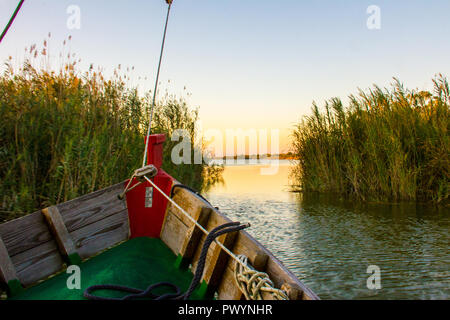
<point x="253" y="283"/>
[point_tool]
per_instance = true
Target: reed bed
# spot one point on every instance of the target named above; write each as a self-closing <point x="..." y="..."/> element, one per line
<point x="386" y="145"/>
<point x="65" y="133"/>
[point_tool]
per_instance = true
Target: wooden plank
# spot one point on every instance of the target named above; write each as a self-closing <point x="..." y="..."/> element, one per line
<point x="280" y="275"/>
<point x="261" y="258"/>
<point x="59" y="230"/>
<point x="91" y="208"/>
<point x="173" y="232"/>
<point x="178" y="231"/>
<point x="214" y="221"/>
<point x="216" y="258"/>
<point x="293" y="291"/>
<point x="258" y="255"/>
<point x="190" y="241"/>
<point x="184" y="199"/>
<point x="228" y="289"/>
<point x="101" y="235"/>
<point x="7" y="270"/>
<point x="31" y="248"/>
<point x="25" y="233"/>
<point x="217" y="261"/>
<point x="35" y="254"/>
<point x="38" y="263"/>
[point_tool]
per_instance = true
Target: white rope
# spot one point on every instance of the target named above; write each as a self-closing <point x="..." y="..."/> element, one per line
<point x="253" y="283"/>
<point x="195" y="222"/>
<point x="242" y="268"/>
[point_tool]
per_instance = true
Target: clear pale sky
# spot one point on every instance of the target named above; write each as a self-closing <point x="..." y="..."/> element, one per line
<point x="247" y="63"/>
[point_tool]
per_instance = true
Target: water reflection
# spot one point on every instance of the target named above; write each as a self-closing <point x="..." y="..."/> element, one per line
<point x="329" y="242"/>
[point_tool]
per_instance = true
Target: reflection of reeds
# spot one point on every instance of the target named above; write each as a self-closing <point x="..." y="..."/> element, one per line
<point x="387" y="145"/>
<point x="64" y="134"/>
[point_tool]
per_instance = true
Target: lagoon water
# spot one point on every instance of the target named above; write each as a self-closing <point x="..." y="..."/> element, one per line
<point x="329" y="243"/>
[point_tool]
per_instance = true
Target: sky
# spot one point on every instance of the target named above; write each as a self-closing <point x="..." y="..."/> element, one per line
<point x="246" y="64"/>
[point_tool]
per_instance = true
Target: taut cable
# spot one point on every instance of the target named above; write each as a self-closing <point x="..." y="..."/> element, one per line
<point x="156" y="86"/>
<point x="11" y="20"/>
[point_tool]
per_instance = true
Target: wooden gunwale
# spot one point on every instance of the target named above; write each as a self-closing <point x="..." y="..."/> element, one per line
<point x="41" y="244"/>
<point x="36" y="246"/>
<point x="259" y="256"/>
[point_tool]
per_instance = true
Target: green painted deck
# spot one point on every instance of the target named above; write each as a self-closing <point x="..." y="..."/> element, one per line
<point x="136" y="263"/>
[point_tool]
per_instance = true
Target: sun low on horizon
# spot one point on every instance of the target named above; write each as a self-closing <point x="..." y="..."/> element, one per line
<point x="253" y="65"/>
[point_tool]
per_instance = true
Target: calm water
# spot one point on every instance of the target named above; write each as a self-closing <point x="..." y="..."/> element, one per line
<point x="329" y="243"/>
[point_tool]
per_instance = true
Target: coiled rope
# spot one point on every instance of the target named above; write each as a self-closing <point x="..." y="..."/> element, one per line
<point x="242" y="269"/>
<point x="250" y="281"/>
<point x="253" y="283"/>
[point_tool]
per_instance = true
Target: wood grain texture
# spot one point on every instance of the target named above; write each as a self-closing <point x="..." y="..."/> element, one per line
<point x="31" y="247"/>
<point x="280" y="274"/>
<point x="93" y="207"/>
<point x="7" y="270"/>
<point x="38" y="263"/>
<point x="192" y="237"/>
<point x="258" y="260"/>
<point x="173" y="232"/>
<point x="259" y="256"/>
<point x="183" y="198"/>
<point x="92" y="223"/>
<point x="178" y="231"/>
<point x="228" y="290"/>
<point x="101" y="235"/>
<point x="59" y="230"/>
<point x="293" y="291"/>
<point x="25" y="233"/>
<point x="216" y="258"/>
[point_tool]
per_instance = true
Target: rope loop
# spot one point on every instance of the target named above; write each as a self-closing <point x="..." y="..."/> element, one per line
<point x="253" y="283"/>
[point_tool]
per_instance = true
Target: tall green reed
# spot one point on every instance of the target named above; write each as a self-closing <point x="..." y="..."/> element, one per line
<point x="65" y="133"/>
<point x="386" y="145"/>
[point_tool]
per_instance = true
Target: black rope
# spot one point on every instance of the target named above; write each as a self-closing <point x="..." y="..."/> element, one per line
<point x="216" y="232"/>
<point x="176" y="295"/>
<point x="11" y="20"/>
<point x="135" y="293"/>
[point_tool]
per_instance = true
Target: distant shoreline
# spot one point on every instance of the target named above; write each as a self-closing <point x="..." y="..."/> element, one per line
<point x="253" y="162"/>
<point x="281" y="156"/>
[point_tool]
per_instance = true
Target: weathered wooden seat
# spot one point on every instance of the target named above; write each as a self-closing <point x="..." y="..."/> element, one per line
<point x="39" y="245"/>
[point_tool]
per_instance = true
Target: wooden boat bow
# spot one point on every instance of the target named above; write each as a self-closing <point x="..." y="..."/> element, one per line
<point x="44" y="243"/>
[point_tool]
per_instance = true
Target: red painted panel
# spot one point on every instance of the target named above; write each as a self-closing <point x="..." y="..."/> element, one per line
<point x="147" y="222"/>
<point x="155" y="149"/>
